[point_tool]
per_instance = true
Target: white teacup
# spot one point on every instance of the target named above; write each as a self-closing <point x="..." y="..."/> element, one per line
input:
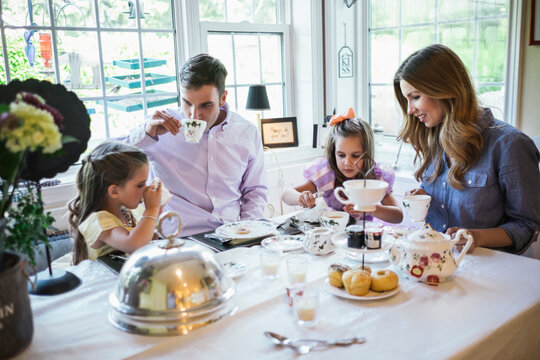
<point x="364" y="194"/>
<point x="417" y="206"/>
<point x="193" y="129"/>
<point x="335" y="220"/>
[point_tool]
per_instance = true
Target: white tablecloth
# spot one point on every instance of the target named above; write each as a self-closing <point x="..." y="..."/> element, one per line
<point x="489" y="309"/>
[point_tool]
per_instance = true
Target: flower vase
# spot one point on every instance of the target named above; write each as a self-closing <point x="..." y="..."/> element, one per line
<point x="16" y="324"/>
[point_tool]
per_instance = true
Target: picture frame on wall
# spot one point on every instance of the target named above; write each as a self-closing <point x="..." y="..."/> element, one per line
<point x="534" y="35"/>
<point x="279" y="132"/>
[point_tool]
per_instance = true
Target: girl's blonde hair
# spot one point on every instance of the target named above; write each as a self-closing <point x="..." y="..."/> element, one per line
<point x="109" y="163"/>
<point x="351" y="127"/>
<point x="440" y="74"/>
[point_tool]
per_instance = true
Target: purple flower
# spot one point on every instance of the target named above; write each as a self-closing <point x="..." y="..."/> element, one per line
<point x="423" y="261"/>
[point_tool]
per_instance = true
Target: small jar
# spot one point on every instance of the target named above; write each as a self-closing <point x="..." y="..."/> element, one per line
<point x="355" y="236"/>
<point x="374" y="233"/>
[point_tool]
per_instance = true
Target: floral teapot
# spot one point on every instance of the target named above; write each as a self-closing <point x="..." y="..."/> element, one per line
<point x="426" y="255"/>
<point x="318" y="241"/>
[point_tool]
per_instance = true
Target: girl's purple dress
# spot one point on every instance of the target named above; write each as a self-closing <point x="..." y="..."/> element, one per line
<point x="320" y="173"/>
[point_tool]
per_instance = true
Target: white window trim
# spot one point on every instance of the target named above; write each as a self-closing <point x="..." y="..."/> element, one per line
<point x="284" y="30"/>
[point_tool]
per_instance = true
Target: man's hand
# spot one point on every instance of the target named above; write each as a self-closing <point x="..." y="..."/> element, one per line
<point x="162" y="123"/>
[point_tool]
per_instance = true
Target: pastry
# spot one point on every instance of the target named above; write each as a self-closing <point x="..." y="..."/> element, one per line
<point x="356" y="282"/>
<point x="365" y="268"/>
<point x="384" y="280"/>
<point x="335" y="272"/>
<point x="242" y="230"/>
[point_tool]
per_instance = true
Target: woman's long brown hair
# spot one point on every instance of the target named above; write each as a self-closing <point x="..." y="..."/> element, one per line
<point x="439" y="73"/>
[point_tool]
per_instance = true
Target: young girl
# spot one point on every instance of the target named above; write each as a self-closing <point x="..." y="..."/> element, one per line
<point x="349" y="148"/>
<point x="111" y="181"/>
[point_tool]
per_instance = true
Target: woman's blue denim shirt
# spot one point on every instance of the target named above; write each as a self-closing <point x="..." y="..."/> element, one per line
<point x="502" y="189"/>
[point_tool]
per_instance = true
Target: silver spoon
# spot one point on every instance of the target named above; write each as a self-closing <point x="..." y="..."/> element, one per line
<point x="301" y="346"/>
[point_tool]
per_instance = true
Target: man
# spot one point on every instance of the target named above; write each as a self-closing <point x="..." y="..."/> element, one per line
<point x="218" y="180"/>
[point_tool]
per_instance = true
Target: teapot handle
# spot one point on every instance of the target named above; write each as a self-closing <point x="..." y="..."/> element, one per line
<point x="340" y="197"/>
<point x="459" y="234"/>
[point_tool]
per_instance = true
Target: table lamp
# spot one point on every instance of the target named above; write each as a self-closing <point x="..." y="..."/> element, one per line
<point x="257" y="100"/>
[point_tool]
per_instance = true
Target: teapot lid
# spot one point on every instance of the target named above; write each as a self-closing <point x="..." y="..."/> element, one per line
<point x="427" y="234"/>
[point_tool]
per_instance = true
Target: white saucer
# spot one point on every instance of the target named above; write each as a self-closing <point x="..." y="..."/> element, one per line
<point x="235" y="269"/>
<point x="283" y="242"/>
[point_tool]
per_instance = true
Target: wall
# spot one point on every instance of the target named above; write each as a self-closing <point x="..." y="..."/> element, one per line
<point x="529" y="106"/>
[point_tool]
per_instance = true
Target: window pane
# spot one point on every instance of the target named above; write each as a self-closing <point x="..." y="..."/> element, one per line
<point x="97" y="120"/>
<point x="121" y="46"/>
<point x="159" y="48"/>
<point x="211" y="10"/>
<point x="492" y="51"/>
<point x="220" y="46"/>
<point x="384" y="13"/>
<point x="120" y="122"/>
<point x="116" y="14"/>
<point x="19" y="65"/>
<point x="79" y="62"/>
<point x="416" y="38"/>
<point x="493" y="7"/>
<point x="460" y="38"/>
<point x="15" y="12"/>
<point x="384" y="55"/>
<point x="271" y="61"/>
<point x="418" y="11"/>
<point x="265" y="11"/>
<point x="275" y="98"/>
<point x="232" y="100"/>
<point x="247" y="59"/>
<point x="71" y="13"/>
<point x="241" y="99"/>
<point x="384" y="109"/>
<point x="239" y="10"/>
<point x="157" y="14"/>
<point x="456" y="9"/>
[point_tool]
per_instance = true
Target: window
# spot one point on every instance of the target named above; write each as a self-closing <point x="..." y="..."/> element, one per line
<point x="94" y="48"/>
<point x="478" y="31"/>
<point x="239" y="33"/>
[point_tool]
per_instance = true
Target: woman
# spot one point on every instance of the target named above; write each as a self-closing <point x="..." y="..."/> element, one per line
<point x="481" y="173"/>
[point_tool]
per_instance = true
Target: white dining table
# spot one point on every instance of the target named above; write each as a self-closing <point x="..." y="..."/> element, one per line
<point x="489" y="309"/>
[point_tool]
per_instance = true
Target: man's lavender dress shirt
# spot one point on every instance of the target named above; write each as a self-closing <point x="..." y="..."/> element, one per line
<point x="219" y="180"/>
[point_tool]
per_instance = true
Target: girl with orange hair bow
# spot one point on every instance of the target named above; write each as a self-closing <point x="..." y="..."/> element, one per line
<point x="349" y="155"/>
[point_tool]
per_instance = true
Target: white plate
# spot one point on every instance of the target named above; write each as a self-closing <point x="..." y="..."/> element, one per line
<point x="235" y="269"/>
<point x="284" y="242"/>
<point x="249" y="229"/>
<point x="340" y="240"/>
<point x="371" y="295"/>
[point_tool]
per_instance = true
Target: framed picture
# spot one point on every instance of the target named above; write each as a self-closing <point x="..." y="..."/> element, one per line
<point x="279" y="132"/>
<point x="534" y="36"/>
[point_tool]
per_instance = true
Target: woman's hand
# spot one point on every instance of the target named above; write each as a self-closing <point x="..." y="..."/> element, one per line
<point x="152" y="198"/>
<point x="162" y="123"/>
<point x="306" y="199"/>
<point x="463" y="240"/>
<point x="416" y="192"/>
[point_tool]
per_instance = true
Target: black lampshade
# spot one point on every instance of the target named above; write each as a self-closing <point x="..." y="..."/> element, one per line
<point x="257" y="98"/>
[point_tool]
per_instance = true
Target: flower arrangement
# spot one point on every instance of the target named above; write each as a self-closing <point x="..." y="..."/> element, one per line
<point x="43" y="130"/>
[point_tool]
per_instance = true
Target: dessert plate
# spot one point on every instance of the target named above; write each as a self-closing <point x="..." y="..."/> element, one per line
<point x="371" y="295"/>
<point x="283" y="242"/>
<point x="248" y="229"/>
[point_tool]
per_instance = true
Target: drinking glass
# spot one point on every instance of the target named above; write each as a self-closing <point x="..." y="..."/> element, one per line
<point x="306" y="307"/>
<point x="297" y="266"/>
<point x="270" y="260"/>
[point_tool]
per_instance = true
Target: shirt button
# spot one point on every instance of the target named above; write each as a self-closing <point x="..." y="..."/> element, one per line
<point x="444" y="226"/>
<point x="469" y="182"/>
<point x="211" y="158"/>
<point x="213" y="199"/>
<point x="444" y="183"/>
<point x="442" y="206"/>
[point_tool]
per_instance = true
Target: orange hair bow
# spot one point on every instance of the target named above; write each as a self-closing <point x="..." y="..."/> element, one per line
<point x="336" y="119"/>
